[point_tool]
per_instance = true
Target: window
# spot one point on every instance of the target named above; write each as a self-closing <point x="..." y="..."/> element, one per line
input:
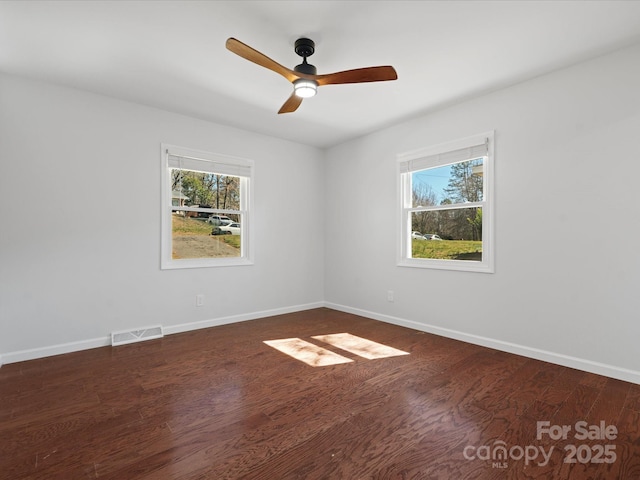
<point x="446" y="218"/>
<point x="205" y="209"/>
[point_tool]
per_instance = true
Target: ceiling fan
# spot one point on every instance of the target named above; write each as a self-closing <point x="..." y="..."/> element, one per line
<point x="304" y="76"/>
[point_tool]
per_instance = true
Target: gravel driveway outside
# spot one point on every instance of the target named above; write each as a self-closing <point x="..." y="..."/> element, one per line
<point x="201" y="246"/>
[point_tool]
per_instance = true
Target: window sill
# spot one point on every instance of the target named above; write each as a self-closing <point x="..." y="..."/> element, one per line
<point x="205" y="263"/>
<point x="457" y="265"/>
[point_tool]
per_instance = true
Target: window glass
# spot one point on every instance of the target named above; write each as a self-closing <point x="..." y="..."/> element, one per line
<point x="454" y="234"/>
<point x="193" y="236"/>
<point x="456" y="183"/>
<point x="199" y="233"/>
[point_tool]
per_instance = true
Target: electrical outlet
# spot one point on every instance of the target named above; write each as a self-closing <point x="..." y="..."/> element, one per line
<point x="199" y="300"/>
<point x="389" y="295"/>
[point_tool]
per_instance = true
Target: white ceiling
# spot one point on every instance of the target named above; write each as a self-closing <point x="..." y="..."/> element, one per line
<point x="171" y="54"/>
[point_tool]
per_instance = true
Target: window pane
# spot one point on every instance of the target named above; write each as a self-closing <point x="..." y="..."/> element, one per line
<point x="194" y="236"/>
<point x="458" y="234"/>
<point x="205" y="234"/>
<point x="207" y="190"/>
<point x="456" y="183"/>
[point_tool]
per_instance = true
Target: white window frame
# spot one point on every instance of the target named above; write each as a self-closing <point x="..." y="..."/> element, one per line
<point x="213" y="163"/>
<point x="436" y="156"/>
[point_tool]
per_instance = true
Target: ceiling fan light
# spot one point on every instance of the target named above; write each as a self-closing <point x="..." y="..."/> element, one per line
<point x="305" y="88"/>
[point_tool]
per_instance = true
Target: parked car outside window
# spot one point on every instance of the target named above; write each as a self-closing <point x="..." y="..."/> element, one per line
<point x="231" y="229"/>
<point x="219" y="220"/>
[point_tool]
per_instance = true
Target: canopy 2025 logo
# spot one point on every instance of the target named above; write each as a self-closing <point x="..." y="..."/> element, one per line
<point x="499" y="453"/>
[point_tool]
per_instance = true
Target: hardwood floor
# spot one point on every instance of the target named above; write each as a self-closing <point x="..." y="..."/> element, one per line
<point x="220" y="404"/>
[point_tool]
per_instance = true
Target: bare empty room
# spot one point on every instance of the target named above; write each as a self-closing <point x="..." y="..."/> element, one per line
<point x="319" y="240"/>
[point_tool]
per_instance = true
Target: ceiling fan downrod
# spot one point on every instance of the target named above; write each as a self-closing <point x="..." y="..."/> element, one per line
<point x="305" y="48"/>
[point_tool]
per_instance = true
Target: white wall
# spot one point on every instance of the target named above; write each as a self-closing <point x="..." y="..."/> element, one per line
<point x="567" y="249"/>
<point x="80" y="223"/>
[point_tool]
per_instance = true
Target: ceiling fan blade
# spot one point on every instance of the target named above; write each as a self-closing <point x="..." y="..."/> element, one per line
<point x="248" y="53"/>
<point x="292" y="104"/>
<point x="359" y="75"/>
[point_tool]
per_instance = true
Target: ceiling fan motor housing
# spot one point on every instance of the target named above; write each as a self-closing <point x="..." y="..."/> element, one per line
<point x="305" y="67"/>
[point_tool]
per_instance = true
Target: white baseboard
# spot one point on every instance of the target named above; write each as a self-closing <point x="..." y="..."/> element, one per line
<point x="48" y="351"/>
<point x="546" y="356"/>
<point x="216" y="322"/>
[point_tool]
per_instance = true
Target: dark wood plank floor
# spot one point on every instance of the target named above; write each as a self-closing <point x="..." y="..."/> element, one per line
<point x="220" y="404"/>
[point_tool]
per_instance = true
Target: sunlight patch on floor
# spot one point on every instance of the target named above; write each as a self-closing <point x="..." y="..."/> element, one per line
<point x="307" y="352"/>
<point x="360" y="346"/>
